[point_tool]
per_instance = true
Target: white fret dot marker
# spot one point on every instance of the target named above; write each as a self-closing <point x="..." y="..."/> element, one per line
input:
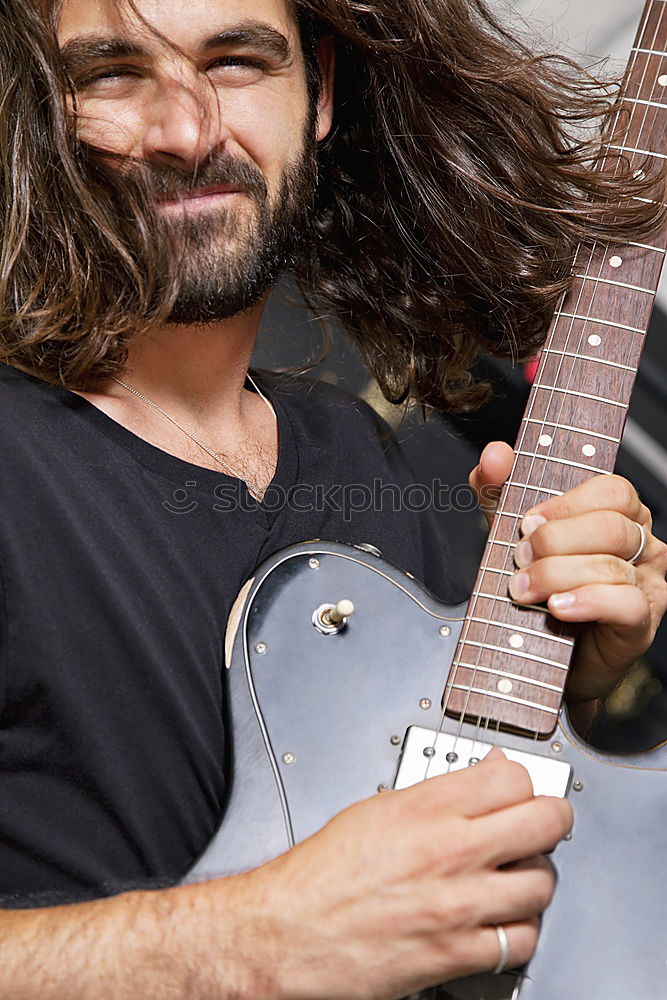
<point x="662" y="80"/>
<point x="588" y="450"/>
<point x="504" y="686"/>
<point x="516" y="641"/>
<point x="595" y="340"/>
<point x="546" y="440"/>
<point x="615" y="261"/>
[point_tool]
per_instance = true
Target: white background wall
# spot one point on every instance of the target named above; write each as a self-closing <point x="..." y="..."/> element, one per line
<point x="599" y="27"/>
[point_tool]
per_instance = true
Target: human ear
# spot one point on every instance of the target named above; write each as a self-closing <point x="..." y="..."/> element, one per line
<point x="326" y="57"/>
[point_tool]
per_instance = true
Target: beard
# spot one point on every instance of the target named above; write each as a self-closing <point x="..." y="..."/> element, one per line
<point x="227" y="259"/>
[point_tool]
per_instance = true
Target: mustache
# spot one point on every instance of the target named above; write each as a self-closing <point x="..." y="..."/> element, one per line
<point x="164" y="181"/>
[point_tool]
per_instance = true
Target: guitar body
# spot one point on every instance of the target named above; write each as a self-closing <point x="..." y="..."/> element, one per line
<point x="312" y="718"/>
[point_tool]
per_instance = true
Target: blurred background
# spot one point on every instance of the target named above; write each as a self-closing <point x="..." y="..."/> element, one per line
<point x="636" y="714"/>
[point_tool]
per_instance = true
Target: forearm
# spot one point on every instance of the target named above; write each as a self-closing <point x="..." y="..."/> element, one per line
<point x="189" y="943"/>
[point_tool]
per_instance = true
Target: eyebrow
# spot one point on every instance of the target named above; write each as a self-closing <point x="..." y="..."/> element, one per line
<point x="81" y="51"/>
<point x="252" y="35"/>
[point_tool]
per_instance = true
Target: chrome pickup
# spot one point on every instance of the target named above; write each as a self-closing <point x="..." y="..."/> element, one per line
<point x="427" y="753"/>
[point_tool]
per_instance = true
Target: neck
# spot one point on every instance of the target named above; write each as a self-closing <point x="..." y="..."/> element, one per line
<point x="196" y="376"/>
<point x="199" y="370"/>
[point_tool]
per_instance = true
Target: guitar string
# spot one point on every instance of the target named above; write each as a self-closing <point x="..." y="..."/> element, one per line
<point x="519" y="505"/>
<point x="603" y="258"/>
<point x="456" y="666"/>
<point x="485" y="565"/>
<point x="495" y="591"/>
<point x="604" y="251"/>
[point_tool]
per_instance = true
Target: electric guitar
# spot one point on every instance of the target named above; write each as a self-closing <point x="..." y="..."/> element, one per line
<point x="337" y="661"/>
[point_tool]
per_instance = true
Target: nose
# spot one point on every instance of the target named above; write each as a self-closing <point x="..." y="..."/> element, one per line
<point x="183" y="126"/>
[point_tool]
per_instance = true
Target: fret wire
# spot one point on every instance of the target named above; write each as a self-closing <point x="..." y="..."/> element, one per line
<point x="503" y="697"/>
<point x="517" y="652"/>
<point x="539" y="489"/>
<point x="508" y="600"/>
<point x="498" y="572"/>
<point x="646" y="246"/>
<point x="497" y="541"/>
<point x="564" y="461"/>
<point x="649" y="201"/>
<point x="651" y="52"/>
<point x="617" y="284"/>
<point x="639" y="100"/>
<point x="603" y="322"/>
<point x="558" y="689"/>
<point x="524" y="629"/>
<point x="587" y="357"/>
<point x="584" y="395"/>
<point x="644" y="152"/>
<point x="630" y="73"/>
<point x="569" y="427"/>
<point x="642" y="36"/>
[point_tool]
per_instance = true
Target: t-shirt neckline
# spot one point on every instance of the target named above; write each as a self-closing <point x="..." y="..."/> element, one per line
<point x="178" y="471"/>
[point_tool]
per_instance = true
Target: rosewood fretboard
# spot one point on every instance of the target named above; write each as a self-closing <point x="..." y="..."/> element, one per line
<point x="511" y="663"/>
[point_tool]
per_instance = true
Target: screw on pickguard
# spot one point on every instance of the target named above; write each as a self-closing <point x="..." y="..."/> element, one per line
<point x="330" y="619"/>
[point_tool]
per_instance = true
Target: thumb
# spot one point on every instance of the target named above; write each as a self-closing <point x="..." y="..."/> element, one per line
<point x="487" y="478"/>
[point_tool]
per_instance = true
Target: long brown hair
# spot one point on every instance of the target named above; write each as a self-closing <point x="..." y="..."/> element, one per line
<point x="462" y="172"/>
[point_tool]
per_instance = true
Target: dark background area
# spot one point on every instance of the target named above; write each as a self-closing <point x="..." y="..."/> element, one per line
<point x="446" y="448"/>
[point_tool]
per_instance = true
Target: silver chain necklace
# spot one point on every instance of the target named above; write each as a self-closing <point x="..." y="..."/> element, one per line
<point x="255" y="491"/>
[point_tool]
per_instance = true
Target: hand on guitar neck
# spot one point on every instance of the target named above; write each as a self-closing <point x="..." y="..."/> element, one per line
<point x="580" y="555"/>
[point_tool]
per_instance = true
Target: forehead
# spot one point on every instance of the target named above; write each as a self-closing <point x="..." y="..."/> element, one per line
<point x="184" y="22"/>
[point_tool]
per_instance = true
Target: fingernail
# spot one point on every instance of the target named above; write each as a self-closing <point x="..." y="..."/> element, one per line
<point x="519" y="585"/>
<point x="562" y="601"/>
<point x="531" y="523"/>
<point x="523" y="554"/>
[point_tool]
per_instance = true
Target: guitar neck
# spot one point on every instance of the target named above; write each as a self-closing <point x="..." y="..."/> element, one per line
<point x="511" y="663"/>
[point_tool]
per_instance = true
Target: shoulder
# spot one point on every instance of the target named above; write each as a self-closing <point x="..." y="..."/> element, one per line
<point x="316" y="405"/>
<point x="22" y="398"/>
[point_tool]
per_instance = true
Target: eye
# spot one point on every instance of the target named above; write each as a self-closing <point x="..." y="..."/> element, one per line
<point x="237" y="71"/>
<point x="107" y="77"/>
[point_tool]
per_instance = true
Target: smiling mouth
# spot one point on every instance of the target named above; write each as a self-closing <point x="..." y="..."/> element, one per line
<point x="199" y="195"/>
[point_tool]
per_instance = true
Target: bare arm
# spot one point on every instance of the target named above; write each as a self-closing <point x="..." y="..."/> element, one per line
<point x="397" y="893"/>
<point x="168" y="944"/>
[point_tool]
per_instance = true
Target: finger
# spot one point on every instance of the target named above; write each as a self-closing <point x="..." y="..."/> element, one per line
<point x="605" y="531"/>
<point x="487" y="478"/>
<point x="622" y="605"/>
<point x="495" y="463"/>
<point x="523" y="830"/>
<point x="478" y="949"/>
<point x="518" y="893"/>
<point x="495" y="783"/>
<point x="522" y="940"/>
<point x="560" y="574"/>
<point x="598" y="493"/>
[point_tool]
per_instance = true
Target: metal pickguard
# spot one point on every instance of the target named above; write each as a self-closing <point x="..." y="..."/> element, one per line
<point x="313" y="718"/>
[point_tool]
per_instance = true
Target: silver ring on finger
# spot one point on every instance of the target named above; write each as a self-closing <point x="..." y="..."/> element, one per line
<point x="642" y="544"/>
<point x="504" y="945"/>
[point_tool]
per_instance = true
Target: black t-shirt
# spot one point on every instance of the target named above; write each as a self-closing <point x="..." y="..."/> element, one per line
<point x="119" y="564"/>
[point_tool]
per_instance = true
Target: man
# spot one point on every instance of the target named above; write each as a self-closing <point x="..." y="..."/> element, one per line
<point x="159" y="165"/>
